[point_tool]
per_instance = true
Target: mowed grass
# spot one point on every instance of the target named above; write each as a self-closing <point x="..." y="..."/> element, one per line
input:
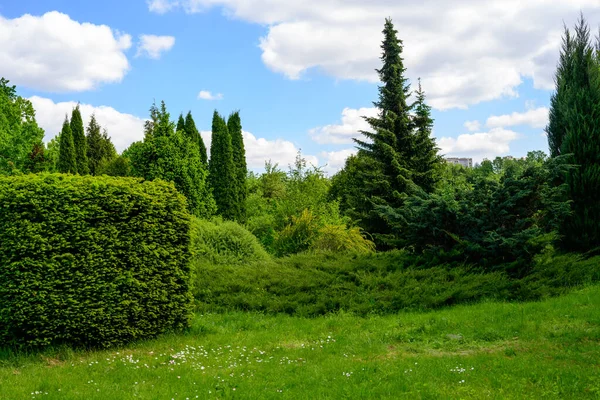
<point x="548" y="349"/>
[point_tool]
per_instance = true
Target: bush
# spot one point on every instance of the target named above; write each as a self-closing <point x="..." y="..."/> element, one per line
<point x="91" y="261"/>
<point x="342" y="238"/>
<point x="218" y="242"/>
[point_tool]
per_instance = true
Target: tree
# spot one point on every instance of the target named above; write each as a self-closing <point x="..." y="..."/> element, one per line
<point x="79" y="142"/>
<point x="574" y="132"/>
<point x="169" y="155"/>
<point x="222" y="169"/>
<point x="194" y="134"/>
<point x="180" y="124"/>
<point x="425" y="158"/>
<point x="67" y="162"/>
<point x="234" y="126"/>
<point x="100" y="149"/>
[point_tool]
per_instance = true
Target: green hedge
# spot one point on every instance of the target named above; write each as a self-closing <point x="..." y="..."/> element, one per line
<point x="91" y="261"/>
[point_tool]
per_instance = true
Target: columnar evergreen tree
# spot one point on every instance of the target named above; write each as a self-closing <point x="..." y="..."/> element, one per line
<point x="79" y="142"/>
<point x="67" y="162"/>
<point x="222" y="169"/>
<point x="426" y="159"/>
<point x="574" y="131"/>
<point x="100" y="149"/>
<point x="234" y="126"/>
<point x="194" y="134"/>
<point x="180" y="124"/>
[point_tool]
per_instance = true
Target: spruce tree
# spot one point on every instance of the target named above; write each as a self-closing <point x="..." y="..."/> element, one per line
<point x="234" y="126"/>
<point x="389" y="145"/>
<point x="194" y="134"/>
<point x="79" y="142"/>
<point x="426" y="160"/>
<point x="67" y="163"/>
<point x="222" y="169"/>
<point x="574" y="132"/>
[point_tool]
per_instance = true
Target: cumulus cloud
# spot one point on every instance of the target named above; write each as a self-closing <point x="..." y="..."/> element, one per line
<point x="153" y="46"/>
<point x="466" y="51"/>
<point x="351" y="126"/>
<point x="54" y="53"/>
<point x="259" y="150"/>
<point x="534" y="118"/>
<point x="123" y="129"/>
<point x="207" y="95"/>
<point x="478" y="146"/>
<point x="335" y="160"/>
<point x="161" y="6"/>
<point x="472" y="126"/>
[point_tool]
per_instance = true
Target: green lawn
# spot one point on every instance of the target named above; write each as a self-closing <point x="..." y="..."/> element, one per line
<point x="548" y="349"/>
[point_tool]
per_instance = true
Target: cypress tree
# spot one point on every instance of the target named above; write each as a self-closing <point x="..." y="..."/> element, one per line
<point x="100" y="149"/>
<point x="222" y="169"/>
<point x="79" y="142"/>
<point x="234" y="126"/>
<point x="574" y="132"/>
<point x="194" y="134"/>
<point x="67" y="162"/>
<point x="426" y="160"/>
<point x="180" y="124"/>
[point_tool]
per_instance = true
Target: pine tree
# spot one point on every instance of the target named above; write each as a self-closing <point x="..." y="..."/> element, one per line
<point x="574" y="132"/>
<point x="194" y="134"/>
<point x="426" y="160"/>
<point x="100" y="149"/>
<point x="67" y="162"/>
<point x="234" y="126"/>
<point x="79" y="142"/>
<point x="222" y="169"/>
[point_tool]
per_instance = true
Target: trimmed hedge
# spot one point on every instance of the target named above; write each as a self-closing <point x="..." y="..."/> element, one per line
<point x="91" y="261"/>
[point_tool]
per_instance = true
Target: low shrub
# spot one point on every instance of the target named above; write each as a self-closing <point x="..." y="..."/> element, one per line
<point x="91" y="261"/>
<point x="217" y="242"/>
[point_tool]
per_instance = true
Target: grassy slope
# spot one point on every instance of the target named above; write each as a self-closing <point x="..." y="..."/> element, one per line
<point x="546" y="349"/>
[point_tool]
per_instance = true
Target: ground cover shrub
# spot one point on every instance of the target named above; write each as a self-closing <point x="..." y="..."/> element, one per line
<point x="224" y="242"/>
<point x="91" y="261"/>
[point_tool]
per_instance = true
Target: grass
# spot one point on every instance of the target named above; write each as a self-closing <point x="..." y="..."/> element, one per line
<point x="548" y="349"/>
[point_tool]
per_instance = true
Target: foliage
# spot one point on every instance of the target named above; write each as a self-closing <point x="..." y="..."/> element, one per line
<point x="220" y="242"/>
<point x="100" y="149"/>
<point x="574" y="131"/>
<point x="298" y="236"/>
<point x="234" y="127"/>
<point x="171" y="156"/>
<point x="67" y="161"/>
<point x="91" y="261"/>
<point x="340" y="238"/>
<point x="222" y="174"/>
<point x="20" y="137"/>
<point x="192" y="132"/>
<point x="79" y="141"/>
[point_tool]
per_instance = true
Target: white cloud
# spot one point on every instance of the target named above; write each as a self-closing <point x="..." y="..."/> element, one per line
<point x="122" y="128"/>
<point x="490" y="144"/>
<point x="52" y="52"/>
<point x="153" y="46"/>
<point x="335" y="160"/>
<point x="161" y="6"/>
<point x="206" y="95"/>
<point x="352" y="123"/>
<point x="535" y="118"/>
<point x="466" y="51"/>
<point x="472" y="126"/>
<point x="259" y="150"/>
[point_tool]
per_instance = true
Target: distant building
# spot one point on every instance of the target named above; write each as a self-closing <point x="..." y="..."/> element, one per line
<point x="465" y="162"/>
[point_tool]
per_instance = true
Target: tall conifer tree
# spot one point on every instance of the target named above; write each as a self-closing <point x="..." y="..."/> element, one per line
<point x="194" y="134"/>
<point x="79" y="142"/>
<point x="100" y="149"/>
<point x="180" y="124"/>
<point x="234" y="126"/>
<point x="67" y="163"/>
<point x="222" y="169"/>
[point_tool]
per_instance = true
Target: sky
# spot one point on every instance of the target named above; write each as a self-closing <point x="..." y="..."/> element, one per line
<point x="301" y="72"/>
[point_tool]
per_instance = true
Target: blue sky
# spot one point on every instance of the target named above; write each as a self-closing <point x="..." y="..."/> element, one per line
<point x="300" y="72"/>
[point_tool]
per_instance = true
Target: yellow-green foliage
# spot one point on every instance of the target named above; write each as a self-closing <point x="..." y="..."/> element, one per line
<point x="342" y="238"/>
<point x="218" y="242"/>
<point x="91" y="261"/>
<point x="299" y="235"/>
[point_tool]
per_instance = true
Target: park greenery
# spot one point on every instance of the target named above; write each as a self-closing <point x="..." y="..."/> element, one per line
<point x="172" y="239"/>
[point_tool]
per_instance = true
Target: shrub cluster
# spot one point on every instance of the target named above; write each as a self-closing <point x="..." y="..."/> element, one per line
<point x="91" y="261"/>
